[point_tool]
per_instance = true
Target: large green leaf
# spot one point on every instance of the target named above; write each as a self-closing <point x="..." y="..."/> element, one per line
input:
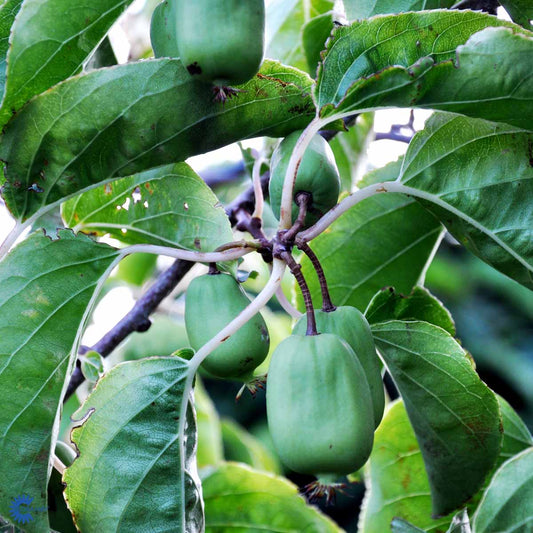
<point x="506" y="504"/>
<point x="455" y="416"/>
<point x="477" y="178"/>
<point x="148" y="114"/>
<point x="129" y="475"/>
<point x="45" y="289"/>
<point x="284" y="21"/>
<point x="169" y="206"/>
<point x="50" y="41"/>
<point x="384" y="240"/>
<point x="431" y="59"/>
<point x="8" y="12"/>
<point x="398" y="483"/>
<point x="362" y="9"/>
<point x="238" y="498"/>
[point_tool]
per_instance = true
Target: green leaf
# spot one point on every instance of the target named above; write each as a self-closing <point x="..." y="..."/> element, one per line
<point x="46" y="288"/>
<point x="477" y="178"/>
<point x="149" y="113"/>
<point x="50" y="41"/>
<point x="388" y="304"/>
<point x="384" y="240"/>
<point x="506" y="504"/>
<point x="238" y="498"/>
<point x="397" y="481"/>
<point x="132" y="435"/>
<point x="455" y="416"/>
<point x="168" y="206"/>
<point x="521" y="11"/>
<point x="241" y="446"/>
<point x="284" y="21"/>
<point x="349" y="148"/>
<point x="210" y="449"/>
<point x="362" y="9"/>
<point x="8" y="12"/>
<point x="432" y="59"/>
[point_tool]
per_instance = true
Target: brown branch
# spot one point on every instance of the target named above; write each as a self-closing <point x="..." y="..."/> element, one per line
<point x="137" y="319"/>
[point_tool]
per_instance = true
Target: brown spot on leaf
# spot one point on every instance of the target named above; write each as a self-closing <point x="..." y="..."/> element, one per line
<point x="271" y="78"/>
<point x="197" y="243"/>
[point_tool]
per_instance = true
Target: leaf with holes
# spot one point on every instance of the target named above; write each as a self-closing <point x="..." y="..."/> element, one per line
<point x="114" y="486"/>
<point x="46" y="290"/>
<point x="434" y="59"/>
<point x="167" y="206"/>
<point x="150" y="113"/>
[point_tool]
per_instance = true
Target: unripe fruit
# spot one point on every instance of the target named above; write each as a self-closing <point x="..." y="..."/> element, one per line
<point x="318" y="405"/>
<point x="211" y="303"/>
<point x="317" y="175"/>
<point x="163" y="30"/>
<point x="221" y="41"/>
<point x="350" y="324"/>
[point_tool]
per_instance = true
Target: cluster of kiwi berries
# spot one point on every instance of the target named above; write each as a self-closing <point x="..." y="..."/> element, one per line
<point x="324" y="390"/>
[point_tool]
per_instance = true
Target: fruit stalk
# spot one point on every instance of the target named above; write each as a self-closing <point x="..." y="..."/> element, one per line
<point x="302" y="200"/>
<point x="296" y="271"/>
<point x="327" y="304"/>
